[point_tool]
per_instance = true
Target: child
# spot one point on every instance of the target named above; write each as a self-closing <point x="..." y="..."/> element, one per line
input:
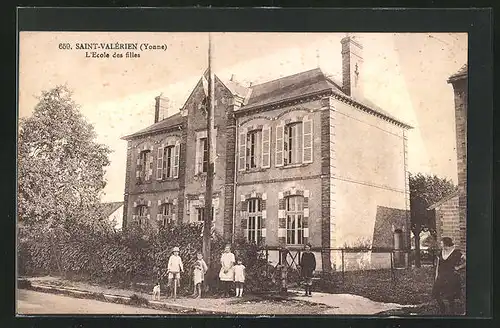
<point x="239" y="277"/>
<point x="156" y="291"/>
<point x="174" y="270"/>
<point x="200" y="268"/>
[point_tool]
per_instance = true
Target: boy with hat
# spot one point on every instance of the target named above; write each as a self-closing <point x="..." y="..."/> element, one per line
<point x="174" y="270"/>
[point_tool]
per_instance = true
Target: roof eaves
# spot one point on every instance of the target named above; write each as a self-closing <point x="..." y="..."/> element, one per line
<point x="443" y="200"/>
<point x="151" y="132"/>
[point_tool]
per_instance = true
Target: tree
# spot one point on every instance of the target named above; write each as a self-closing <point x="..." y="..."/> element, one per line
<point x="60" y="165"/>
<point x="425" y="190"/>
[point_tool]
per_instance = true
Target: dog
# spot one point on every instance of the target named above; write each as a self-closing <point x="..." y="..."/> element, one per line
<point x="156" y="292"/>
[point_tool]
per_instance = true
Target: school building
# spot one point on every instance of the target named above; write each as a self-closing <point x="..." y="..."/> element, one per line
<point x="301" y="159"/>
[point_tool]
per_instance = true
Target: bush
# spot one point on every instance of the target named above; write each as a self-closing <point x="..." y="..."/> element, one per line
<point x="101" y="256"/>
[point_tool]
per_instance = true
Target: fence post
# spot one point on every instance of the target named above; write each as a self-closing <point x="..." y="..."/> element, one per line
<point x="343" y="269"/>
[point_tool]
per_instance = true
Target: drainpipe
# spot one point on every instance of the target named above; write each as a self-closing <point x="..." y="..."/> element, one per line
<point x="235" y="178"/>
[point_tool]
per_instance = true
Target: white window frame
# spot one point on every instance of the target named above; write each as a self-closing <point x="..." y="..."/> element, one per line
<point x="254" y="220"/>
<point x="293" y="143"/>
<point x="294" y="214"/>
<point x="145" y="159"/>
<point x="142" y="212"/>
<point x="166" y="217"/>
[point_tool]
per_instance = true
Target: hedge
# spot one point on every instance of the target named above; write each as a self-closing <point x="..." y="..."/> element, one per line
<point x="132" y="257"/>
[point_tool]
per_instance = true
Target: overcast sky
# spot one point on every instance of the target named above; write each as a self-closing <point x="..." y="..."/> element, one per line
<point x="405" y="74"/>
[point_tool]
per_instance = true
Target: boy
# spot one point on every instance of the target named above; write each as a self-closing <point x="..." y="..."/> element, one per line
<point x="174" y="270"/>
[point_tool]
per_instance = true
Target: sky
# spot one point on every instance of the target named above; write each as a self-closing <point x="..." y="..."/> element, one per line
<point x="405" y="74"/>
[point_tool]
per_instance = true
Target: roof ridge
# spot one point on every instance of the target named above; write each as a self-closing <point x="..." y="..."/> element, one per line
<point x="287" y="76"/>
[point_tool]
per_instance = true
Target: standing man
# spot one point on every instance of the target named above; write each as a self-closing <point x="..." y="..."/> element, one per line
<point x="308" y="265"/>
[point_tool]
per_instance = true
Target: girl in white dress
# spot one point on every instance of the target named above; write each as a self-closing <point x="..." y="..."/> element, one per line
<point x="226" y="274"/>
<point x="200" y="268"/>
<point x="239" y="278"/>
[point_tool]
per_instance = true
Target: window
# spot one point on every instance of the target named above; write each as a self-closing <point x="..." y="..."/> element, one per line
<point x="201" y="214"/>
<point x="168" y="161"/>
<point x="294" y="220"/>
<point x="142" y="215"/>
<point x="166" y="212"/>
<point x="293" y="143"/>
<point x="204" y="147"/>
<point x="144" y="169"/>
<point x="254" y="222"/>
<point x="254" y="148"/>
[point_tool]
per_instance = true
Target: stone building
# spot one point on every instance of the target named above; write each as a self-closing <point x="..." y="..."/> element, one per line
<point x="454" y="223"/>
<point x="299" y="159"/>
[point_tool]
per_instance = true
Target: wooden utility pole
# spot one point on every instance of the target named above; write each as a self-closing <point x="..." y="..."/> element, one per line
<point x="207" y="225"/>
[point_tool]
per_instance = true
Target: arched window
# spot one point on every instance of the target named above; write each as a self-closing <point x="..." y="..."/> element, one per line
<point x="254" y="221"/>
<point x="294" y="207"/>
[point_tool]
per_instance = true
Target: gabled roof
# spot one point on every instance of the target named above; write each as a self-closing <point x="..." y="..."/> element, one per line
<point x="168" y="122"/>
<point x="461" y="74"/>
<point x="109" y="208"/>
<point x="443" y="200"/>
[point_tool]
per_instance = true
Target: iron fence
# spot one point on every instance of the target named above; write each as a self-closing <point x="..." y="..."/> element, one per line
<point x="285" y="262"/>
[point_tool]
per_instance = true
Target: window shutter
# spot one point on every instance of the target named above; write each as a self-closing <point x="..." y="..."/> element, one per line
<point x="177" y="151"/>
<point x="298" y="151"/>
<point x="199" y="156"/>
<point x="245" y="224"/>
<point x="150" y="166"/>
<point x="242" y="150"/>
<point x="307" y="141"/>
<point x="279" y="145"/>
<point x="266" y="151"/>
<point x="159" y="167"/>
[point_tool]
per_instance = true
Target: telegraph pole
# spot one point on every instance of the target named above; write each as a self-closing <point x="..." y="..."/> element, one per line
<point x="207" y="225"/>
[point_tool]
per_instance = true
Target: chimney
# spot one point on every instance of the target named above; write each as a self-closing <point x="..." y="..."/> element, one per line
<point x="161" y="107"/>
<point x="157" y="108"/>
<point x="352" y="63"/>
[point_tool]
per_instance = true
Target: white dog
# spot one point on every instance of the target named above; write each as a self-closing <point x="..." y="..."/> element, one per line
<point x="156" y="292"/>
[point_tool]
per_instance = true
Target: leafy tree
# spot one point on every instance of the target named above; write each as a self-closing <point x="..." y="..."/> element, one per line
<point x="60" y="165"/>
<point x="425" y="190"/>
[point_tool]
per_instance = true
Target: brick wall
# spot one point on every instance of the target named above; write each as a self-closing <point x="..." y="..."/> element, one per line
<point x="460" y="95"/>
<point x="327" y="186"/>
<point x="230" y="133"/>
<point x="128" y="173"/>
<point x="447" y="220"/>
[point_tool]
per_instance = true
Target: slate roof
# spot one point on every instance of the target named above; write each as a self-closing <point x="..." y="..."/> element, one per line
<point x="304" y="83"/>
<point x="443" y="200"/>
<point x="167" y="122"/>
<point x="109" y="208"/>
<point x="289" y="87"/>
